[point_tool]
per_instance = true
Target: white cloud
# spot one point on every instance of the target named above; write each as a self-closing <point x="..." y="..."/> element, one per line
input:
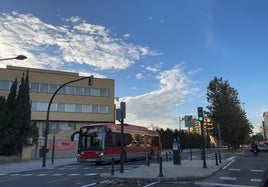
<point x="139" y="76"/>
<point x="156" y="107"/>
<point x="76" y="42"/>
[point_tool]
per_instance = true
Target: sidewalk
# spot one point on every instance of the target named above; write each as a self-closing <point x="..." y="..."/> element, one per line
<point x="188" y="170"/>
<point x="30" y="165"/>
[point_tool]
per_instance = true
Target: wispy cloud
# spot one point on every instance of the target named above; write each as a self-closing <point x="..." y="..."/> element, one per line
<point x="74" y="42"/>
<point x="156" y="107"/>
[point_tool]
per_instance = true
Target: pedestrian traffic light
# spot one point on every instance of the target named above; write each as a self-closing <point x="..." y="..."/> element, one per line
<point x="200" y="114"/>
<point x="90" y="80"/>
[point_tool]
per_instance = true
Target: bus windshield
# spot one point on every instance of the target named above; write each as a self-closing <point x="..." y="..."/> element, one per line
<point x="92" y="138"/>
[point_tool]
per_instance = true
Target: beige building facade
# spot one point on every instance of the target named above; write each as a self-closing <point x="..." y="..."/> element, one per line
<point x="75" y="105"/>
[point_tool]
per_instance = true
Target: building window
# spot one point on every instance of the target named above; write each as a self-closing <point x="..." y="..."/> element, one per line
<point x="95" y="91"/>
<point x="52" y="88"/>
<point x="4" y="85"/>
<point x="61" y="107"/>
<point x="78" y="91"/>
<point x="69" y="90"/>
<point x="69" y="107"/>
<point x="44" y="88"/>
<point x="78" y="107"/>
<point x="34" y="87"/>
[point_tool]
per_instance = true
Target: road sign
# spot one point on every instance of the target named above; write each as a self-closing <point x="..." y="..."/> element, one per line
<point x="189" y="122"/>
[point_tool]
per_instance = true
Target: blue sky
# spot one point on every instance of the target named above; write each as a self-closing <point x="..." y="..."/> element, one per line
<point x="161" y="54"/>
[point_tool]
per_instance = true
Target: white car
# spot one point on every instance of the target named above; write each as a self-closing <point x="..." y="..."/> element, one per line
<point x="263" y="147"/>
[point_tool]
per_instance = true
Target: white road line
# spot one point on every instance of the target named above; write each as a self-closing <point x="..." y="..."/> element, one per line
<point x="151" y="184"/>
<point x="91" y="174"/>
<point x="228" y="178"/>
<point x="41" y="175"/>
<point x="57" y="174"/>
<point x="228" y="164"/>
<point x="92" y="184"/>
<point x="27" y="175"/>
<point x="257" y="170"/>
<point x="234" y="169"/>
<point x="74" y="174"/>
<point x="13" y="175"/>
<point x="220" y="184"/>
<point x="255" y="180"/>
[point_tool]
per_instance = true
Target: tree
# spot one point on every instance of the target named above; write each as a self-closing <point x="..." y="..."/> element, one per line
<point x="16" y="127"/>
<point x="225" y="110"/>
<point x="11" y="131"/>
<point x="27" y="131"/>
<point x="3" y="122"/>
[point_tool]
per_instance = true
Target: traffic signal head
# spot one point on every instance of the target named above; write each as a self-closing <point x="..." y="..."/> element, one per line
<point x="90" y="80"/>
<point x="200" y="114"/>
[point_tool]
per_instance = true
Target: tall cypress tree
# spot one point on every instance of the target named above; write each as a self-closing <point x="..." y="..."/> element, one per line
<point x="23" y="109"/>
<point x="3" y="124"/>
<point x="11" y="132"/>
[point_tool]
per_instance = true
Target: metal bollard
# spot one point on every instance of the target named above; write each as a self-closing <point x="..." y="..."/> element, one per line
<point x="160" y="167"/>
<point x="167" y="156"/>
<point x="170" y="156"/>
<point x="112" y="172"/>
<point x="216" y="158"/>
<point x="219" y="157"/>
<point x="147" y="160"/>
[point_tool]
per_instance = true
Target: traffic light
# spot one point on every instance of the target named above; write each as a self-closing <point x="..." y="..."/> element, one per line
<point x="90" y="80"/>
<point x="200" y="114"/>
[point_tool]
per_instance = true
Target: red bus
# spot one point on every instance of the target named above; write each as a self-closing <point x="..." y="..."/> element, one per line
<point x="101" y="142"/>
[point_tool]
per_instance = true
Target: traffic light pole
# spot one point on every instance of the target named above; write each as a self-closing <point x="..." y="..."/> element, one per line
<point x="201" y="120"/>
<point x="203" y="145"/>
<point x="44" y="149"/>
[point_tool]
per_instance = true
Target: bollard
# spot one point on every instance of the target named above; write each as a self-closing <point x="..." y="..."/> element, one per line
<point x="160" y="167"/>
<point x="170" y="156"/>
<point x="216" y="158"/>
<point x="147" y="160"/>
<point x="219" y="157"/>
<point x="112" y="173"/>
<point x="167" y="156"/>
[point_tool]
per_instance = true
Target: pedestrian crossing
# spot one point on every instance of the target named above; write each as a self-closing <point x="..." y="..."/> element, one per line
<point x="77" y="171"/>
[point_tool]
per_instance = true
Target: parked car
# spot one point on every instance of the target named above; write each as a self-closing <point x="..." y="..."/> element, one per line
<point x="263" y="147"/>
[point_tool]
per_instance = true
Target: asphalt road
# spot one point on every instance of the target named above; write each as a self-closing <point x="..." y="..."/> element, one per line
<point x="246" y="170"/>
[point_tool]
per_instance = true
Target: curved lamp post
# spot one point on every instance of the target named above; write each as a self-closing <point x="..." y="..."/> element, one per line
<point x="44" y="149"/>
<point x="19" y="57"/>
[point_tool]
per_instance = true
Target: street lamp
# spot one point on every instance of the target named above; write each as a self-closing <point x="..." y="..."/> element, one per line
<point x="44" y="149"/>
<point x="19" y="57"/>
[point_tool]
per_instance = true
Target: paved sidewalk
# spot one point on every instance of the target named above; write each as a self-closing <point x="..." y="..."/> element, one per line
<point x="20" y="166"/>
<point x="188" y="170"/>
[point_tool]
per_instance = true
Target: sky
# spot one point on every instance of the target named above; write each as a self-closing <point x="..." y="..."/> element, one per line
<point x="162" y="54"/>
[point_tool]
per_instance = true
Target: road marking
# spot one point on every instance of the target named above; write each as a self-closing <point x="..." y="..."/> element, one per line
<point x="27" y="175"/>
<point x="257" y="170"/>
<point x="228" y="178"/>
<point x="73" y="174"/>
<point x="220" y="184"/>
<point x="151" y="184"/>
<point x="91" y="174"/>
<point x="233" y="169"/>
<point x="92" y="184"/>
<point x="57" y="174"/>
<point x="41" y="175"/>
<point x="228" y="164"/>
<point x="13" y="175"/>
<point x="255" y="180"/>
